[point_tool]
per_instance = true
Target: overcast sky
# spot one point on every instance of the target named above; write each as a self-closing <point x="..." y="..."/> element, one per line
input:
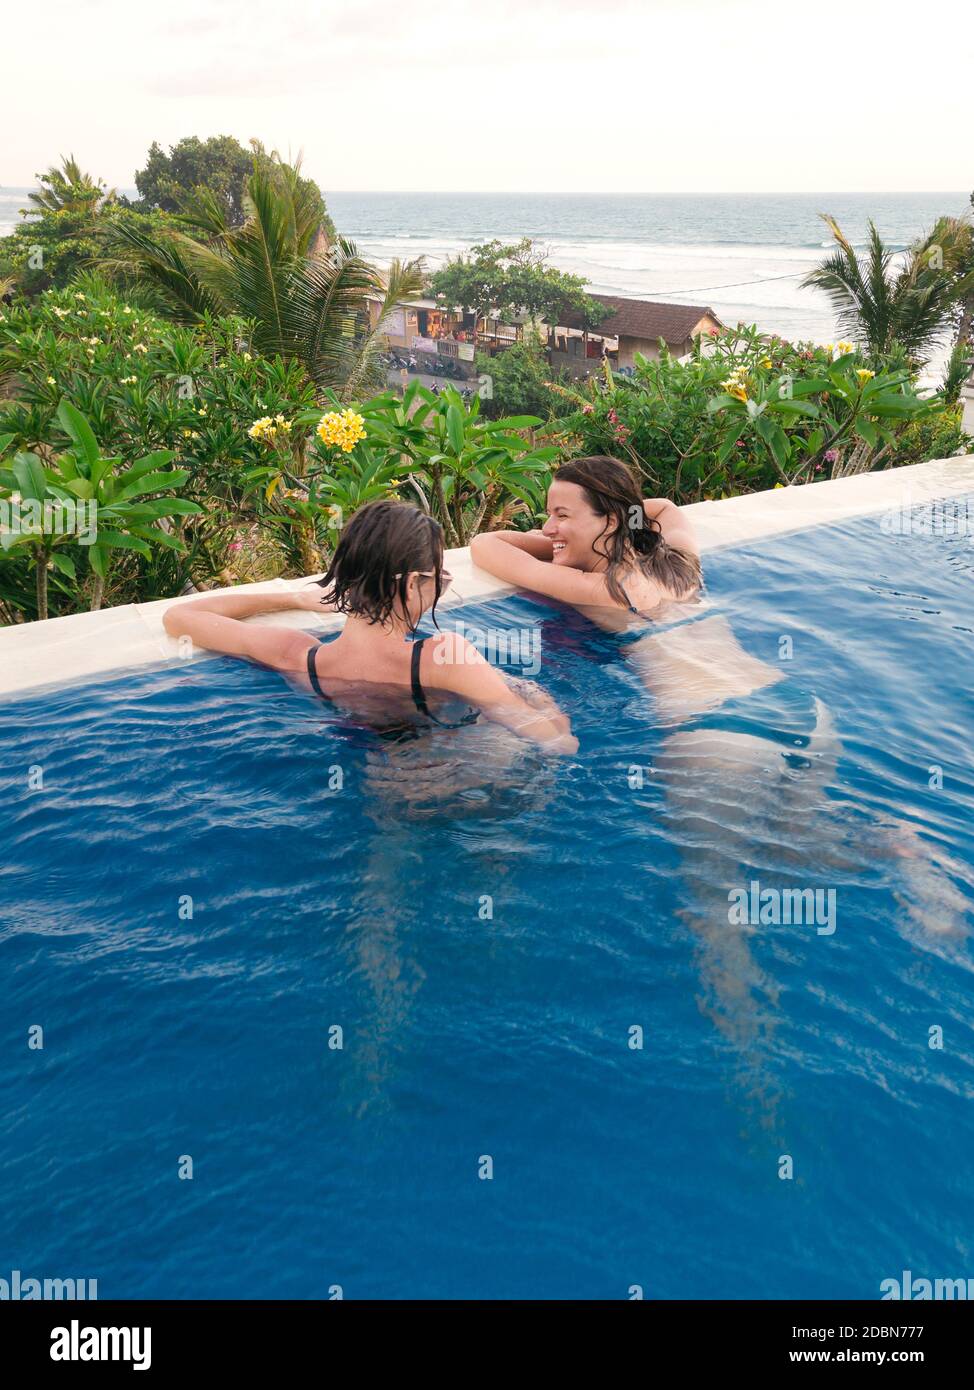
<point x="519" y="95"/>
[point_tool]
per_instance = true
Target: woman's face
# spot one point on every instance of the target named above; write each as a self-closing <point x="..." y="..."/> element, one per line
<point x="573" y="527"/>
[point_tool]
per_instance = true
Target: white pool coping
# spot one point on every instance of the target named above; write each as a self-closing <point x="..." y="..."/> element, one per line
<point x="124" y="638"/>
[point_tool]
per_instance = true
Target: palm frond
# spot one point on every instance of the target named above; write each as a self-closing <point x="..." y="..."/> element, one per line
<point x="204" y="211"/>
<point x="161" y="262"/>
<point x="328" y="312"/>
<point x="909" y="308"/>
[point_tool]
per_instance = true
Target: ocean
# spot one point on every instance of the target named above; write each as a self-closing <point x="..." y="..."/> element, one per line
<point x="743" y="255"/>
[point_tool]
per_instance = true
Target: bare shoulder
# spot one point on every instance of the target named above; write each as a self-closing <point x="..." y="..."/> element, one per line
<point x="676" y="528"/>
<point x="451" y="662"/>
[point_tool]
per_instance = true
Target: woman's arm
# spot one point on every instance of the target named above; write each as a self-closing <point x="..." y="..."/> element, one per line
<point x="535" y="543"/>
<point x="516" y="566"/>
<point x="456" y="665"/>
<point x="674" y="524"/>
<point x="216" y="623"/>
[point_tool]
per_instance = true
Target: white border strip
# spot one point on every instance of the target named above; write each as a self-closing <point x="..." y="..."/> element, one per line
<point x="90" y="644"/>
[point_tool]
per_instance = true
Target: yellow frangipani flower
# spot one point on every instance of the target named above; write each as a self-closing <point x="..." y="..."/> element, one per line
<point x="735" y="389"/>
<point x="863" y="373"/>
<point x="261" y="428"/>
<point x="341" y="429"/>
<point x="268" y="430"/>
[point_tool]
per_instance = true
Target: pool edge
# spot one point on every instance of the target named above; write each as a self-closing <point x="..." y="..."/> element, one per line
<point x="80" y="645"/>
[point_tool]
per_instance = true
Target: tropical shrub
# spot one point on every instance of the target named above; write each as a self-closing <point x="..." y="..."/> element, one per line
<point x="436" y="449"/>
<point x="306" y="299"/>
<point x="939" y="435"/>
<point x="755" y="412"/>
<point x="145" y="385"/>
<point x="70" y="511"/>
<point x="518" y="381"/>
<point x="466" y="470"/>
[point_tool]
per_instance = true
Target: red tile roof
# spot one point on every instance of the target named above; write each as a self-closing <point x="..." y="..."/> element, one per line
<point x="644" y="318"/>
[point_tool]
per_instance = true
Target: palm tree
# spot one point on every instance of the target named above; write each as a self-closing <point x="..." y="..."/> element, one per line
<point x="957" y="371"/>
<point x="954" y="236"/>
<point x="307" y="298"/>
<point x="70" y="189"/>
<point x="905" y="311"/>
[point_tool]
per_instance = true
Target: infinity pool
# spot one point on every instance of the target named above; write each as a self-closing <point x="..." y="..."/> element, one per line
<point x="217" y="875"/>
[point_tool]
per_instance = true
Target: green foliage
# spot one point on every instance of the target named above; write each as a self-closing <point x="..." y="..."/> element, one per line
<point x="71" y="510"/>
<point x="435" y="449"/>
<point x="464" y="469"/>
<point x="909" y="309"/>
<point x="53" y="245"/>
<point x="219" y="164"/>
<point x="147" y="385"/>
<point x="520" y="383"/>
<point x="70" y="189"/>
<point x="940" y="435"/>
<point x="305" y="302"/>
<point x="513" y="279"/>
<point x="757" y="413"/>
<point x="957" y="371"/>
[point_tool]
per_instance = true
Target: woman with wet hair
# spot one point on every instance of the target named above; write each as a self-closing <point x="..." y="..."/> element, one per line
<point x="387" y="572"/>
<point x="603" y="546"/>
<point x="632" y="566"/>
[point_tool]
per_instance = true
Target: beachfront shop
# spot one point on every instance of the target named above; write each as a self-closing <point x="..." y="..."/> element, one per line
<point x="428" y="329"/>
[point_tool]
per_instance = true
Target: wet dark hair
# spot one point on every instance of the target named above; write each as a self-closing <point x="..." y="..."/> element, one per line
<point x="611" y="491"/>
<point x="382" y="544"/>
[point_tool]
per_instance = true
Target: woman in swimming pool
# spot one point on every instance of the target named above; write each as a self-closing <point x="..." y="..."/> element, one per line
<point x="603" y="547"/>
<point x="630" y="564"/>
<point x="745" y="758"/>
<point x="386" y="573"/>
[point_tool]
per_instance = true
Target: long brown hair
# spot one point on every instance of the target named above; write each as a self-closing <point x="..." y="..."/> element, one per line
<point x="611" y="491"/>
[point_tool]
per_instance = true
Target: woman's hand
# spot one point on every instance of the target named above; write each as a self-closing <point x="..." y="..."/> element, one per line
<point x="312" y="599"/>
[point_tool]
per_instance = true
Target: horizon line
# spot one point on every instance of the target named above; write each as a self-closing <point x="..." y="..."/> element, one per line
<point x="605" y="193"/>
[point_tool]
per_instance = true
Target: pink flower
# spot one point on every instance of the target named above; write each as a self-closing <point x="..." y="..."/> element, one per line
<point x="830" y="455"/>
<point x="588" y="409"/>
<point x="236" y="545"/>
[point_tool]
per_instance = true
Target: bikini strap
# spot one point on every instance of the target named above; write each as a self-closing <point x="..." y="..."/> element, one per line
<point x="313" y="672"/>
<point x="632" y="606"/>
<point x="419" y="697"/>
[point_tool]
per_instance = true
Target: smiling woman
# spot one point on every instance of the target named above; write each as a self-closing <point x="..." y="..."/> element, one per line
<point x="603" y="545"/>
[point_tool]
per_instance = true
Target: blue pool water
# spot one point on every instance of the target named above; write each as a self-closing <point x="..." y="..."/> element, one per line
<point x="467" y="1035"/>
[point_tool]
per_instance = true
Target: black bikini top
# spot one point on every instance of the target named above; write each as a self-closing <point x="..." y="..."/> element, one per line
<point x="419" y="695"/>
